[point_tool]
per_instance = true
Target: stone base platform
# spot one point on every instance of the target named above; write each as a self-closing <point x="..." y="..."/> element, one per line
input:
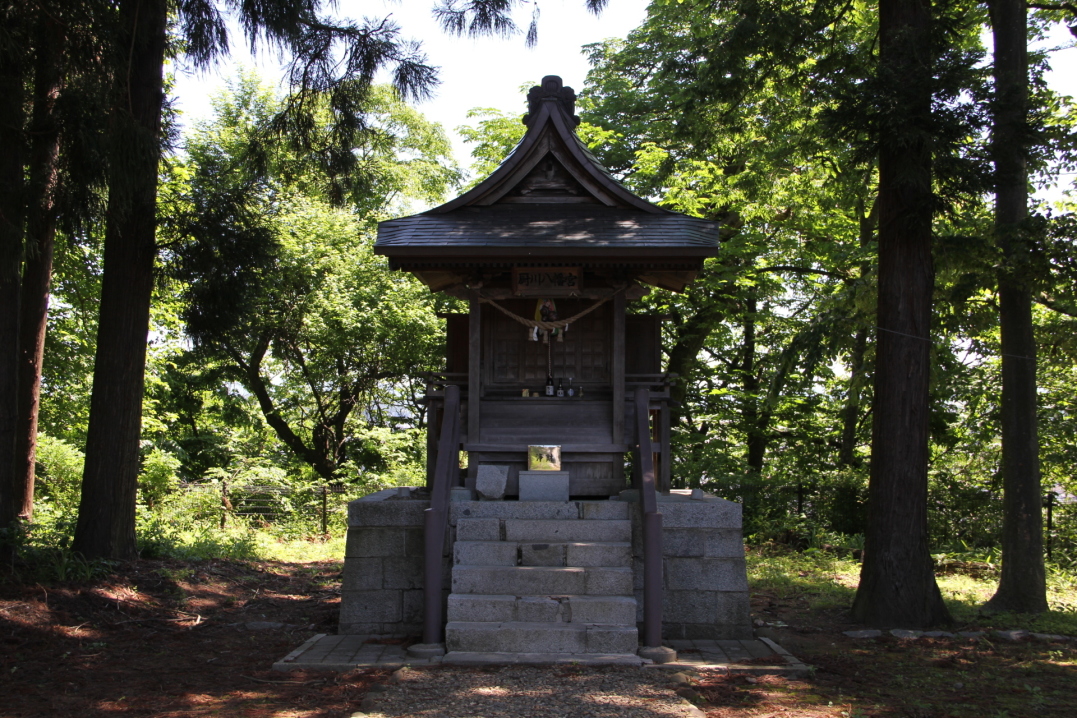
<point x="349" y="652"/>
<point x="472" y="658"/>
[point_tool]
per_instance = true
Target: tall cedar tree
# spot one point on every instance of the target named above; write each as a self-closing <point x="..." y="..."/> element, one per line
<point x="897" y="582"/>
<point x="1023" y="586"/>
<point x="13" y="46"/>
<point x="326" y="60"/>
<point x="106" y="522"/>
<point x="41" y="219"/>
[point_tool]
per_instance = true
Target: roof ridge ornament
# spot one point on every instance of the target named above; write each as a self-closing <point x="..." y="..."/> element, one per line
<point x="553" y="90"/>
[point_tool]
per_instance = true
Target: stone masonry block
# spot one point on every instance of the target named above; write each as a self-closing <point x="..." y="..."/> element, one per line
<point x="386" y="513"/>
<point x="563" y="531"/>
<point x="362" y="574"/>
<point x="684" y="542"/>
<point x="477" y="608"/>
<point x="537" y="609"/>
<point x="370" y="606"/>
<point x="689" y="606"/>
<point x="515" y="637"/>
<point x="365" y="541"/>
<point x="709" y="514"/>
<point x="413" y="606"/>
<point x="513" y="510"/>
<point x="414" y="542"/>
<point x="491" y="481"/>
<point x="480" y="637"/>
<point x="723" y="543"/>
<point x="611" y="610"/>
<point x="564" y="638"/>
<point x="599" y="554"/>
<point x="519" y="581"/>
<point x="608" y="581"/>
<point x="612" y="639"/>
<point x="544" y="486"/>
<point x="733" y="608"/>
<point x="604" y="510"/>
<point x="542" y="554"/>
<point x="402" y="572"/>
<point x="485" y="529"/>
<point x="485" y="553"/>
<point x="707" y="574"/>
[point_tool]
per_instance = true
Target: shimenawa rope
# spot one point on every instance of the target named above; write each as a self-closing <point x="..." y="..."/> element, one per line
<point x="550" y="326"/>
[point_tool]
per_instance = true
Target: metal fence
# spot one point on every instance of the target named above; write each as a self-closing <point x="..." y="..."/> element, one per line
<point x="270" y="503"/>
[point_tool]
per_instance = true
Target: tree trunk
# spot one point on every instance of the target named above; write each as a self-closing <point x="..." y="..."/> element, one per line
<point x="37" y="269"/>
<point x="850" y="413"/>
<point x="1023" y="586"/>
<point x="106" y="523"/>
<point x="755" y="435"/>
<point x="12" y="197"/>
<point x="858" y="370"/>
<point x="897" y="583"/>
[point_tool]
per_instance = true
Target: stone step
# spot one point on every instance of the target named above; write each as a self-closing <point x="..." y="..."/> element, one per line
<point x="528" y="637"/>
<point x="512" y="553"/>
<point x="567" y="531"/>
<point x="473" y="658"/>
<point x="581" y="554"/>
<point x="480" y="608"/>
<point x="602" y="510"/>
<point x="485" y="553"/>
<point x="542" y="580"/>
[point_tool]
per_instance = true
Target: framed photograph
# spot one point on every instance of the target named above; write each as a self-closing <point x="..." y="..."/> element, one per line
<point x="543" y="458"/>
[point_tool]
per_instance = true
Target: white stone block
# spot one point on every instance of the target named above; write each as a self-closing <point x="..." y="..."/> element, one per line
<point x="491" y="481"/>
<point x="543" y="486"/>
<point x="478" y="530"/>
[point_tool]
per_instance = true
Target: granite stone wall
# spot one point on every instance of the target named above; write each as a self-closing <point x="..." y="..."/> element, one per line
<point x="705" y="582"/>
<point x="382" y="591"/>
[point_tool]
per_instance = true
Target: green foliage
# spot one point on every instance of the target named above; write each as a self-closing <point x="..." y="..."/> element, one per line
<point x="292" y="314"/>
<point x="158" y="477"/>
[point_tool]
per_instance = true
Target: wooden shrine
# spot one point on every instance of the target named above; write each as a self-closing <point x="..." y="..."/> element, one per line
<point x="551" y="238"/>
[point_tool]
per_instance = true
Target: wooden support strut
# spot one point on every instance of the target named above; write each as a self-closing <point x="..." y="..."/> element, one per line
<point x="652" y="525"/>
<point x="436" y="517"/>
<point x="474" y="372"/>
<point x="618" y="368"/>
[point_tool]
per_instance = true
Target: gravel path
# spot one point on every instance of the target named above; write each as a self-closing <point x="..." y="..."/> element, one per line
<point x="528" y="692"/>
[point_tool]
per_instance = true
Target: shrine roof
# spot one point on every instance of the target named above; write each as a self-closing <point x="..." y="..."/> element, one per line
<point x="550" y="197"/>
<point x="581" y="227"/>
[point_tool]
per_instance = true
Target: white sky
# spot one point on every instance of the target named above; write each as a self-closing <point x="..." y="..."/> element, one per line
<point x="488" y="72"/>
<point x="484" y="72"/>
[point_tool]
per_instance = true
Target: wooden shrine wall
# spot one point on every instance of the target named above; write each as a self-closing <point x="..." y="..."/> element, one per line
<point x="512" y="362"/>
<point x="582" y="427"/>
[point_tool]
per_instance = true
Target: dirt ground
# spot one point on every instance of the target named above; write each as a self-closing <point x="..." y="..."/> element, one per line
<point x="173" y="638"/>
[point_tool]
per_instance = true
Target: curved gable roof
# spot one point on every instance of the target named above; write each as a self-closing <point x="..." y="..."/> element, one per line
<point x="549" y="199"/>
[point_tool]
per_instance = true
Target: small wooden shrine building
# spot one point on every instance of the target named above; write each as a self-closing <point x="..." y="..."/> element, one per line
<point x="504" y="562"/>
<point x="551" y="226"/>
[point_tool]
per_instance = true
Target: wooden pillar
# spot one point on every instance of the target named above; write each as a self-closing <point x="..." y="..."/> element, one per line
<point x="665" y="478"/>
<point x="433" y="430"/>
<point x="474" y="377"/>
<point x="617" y="371"/>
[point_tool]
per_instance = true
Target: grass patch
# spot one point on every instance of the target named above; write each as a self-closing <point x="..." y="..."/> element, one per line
<point x="825" y="581"/>
<point x="238" y="543"/>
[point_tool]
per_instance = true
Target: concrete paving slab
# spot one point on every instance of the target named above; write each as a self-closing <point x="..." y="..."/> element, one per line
<point x="346" y="653"/>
